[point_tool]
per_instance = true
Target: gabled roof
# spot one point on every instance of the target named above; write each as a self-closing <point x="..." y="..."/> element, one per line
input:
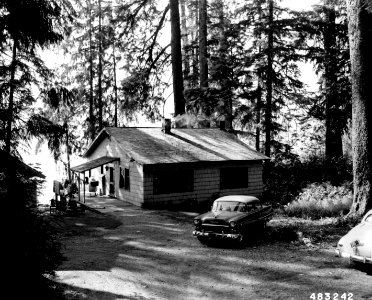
<point x="153" y="146"/>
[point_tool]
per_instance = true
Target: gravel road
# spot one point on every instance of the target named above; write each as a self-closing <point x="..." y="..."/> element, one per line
<point x="131" y="253"/>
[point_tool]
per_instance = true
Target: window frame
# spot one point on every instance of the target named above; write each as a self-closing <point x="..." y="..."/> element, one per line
<point x="112" y="177"/>
<point x="124" y="178"/>
<point x="121" y="178"/>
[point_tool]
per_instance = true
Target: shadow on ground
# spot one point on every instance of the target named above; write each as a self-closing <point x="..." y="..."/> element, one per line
<point x="147" y="254"/>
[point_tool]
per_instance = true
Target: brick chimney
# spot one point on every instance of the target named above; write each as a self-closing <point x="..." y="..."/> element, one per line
<point x="166" y="126"/>
<point x="222" y="125"/>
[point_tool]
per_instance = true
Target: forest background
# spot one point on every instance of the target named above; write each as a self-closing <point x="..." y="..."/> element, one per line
<point x="237" y="62"/>
<point x="58" y="58"/>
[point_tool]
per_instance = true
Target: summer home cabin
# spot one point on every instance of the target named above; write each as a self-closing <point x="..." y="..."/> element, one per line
<point x="155" y="167"/>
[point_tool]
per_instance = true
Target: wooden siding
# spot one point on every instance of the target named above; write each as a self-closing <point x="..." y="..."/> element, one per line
<point x="135" y="193"/>
<point x="110" y="148"/>
<point x="206" y="186"/>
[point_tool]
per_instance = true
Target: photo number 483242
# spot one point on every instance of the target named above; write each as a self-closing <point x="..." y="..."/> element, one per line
<point x="331" y="296"/>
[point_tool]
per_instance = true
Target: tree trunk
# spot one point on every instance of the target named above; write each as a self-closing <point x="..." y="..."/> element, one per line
<point x="194" y="37"/>
<point x="360" y="37"/>
<point x="203" y="63"/>
<point x="91" y="76"/>
<point x="185" y="41"/>
<point x="258" y="115"/>
<point x="259" y="81"/>
<point x="68" y="152"/>
<point x="225" y="87"/>
<point x="269" y="81"/>
<point x="179" y="102"/>
<point x="115" y="88"/>
<point x="8" y="140"/>
<point x="333" y="144"/>
<point x="100" y="104"/>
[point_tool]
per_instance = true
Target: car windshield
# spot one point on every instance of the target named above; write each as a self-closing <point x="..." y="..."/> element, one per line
<point x="229" y="206"/>
<point x="368" y="219"/>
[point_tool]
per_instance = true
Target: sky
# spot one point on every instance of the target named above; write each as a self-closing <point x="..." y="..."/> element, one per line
<point x="299" y="4"/>
<point x="53" y="59"/>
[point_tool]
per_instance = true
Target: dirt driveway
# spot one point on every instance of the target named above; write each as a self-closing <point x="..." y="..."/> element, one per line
<point x="131" y="253"/>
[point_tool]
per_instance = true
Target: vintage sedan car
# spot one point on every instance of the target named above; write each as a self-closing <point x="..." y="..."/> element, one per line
<point x="231" y="218"/>
<point x="356" y="245"/>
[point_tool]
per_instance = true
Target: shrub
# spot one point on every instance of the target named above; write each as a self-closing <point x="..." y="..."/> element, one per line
<point x="282" y="178"/>
<point x="286" y="175"/>
<point x="319" y="200"/>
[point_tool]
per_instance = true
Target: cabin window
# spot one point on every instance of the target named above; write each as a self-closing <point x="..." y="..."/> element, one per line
<point x="173" y="181"/>
<point x="234" y="178"/>
<point x="121" y="179"/>
<point x="102" y="169"/>
<point x="111" y="174"/>
<point x="90" y="173"/>
<point x="124" y="181"/>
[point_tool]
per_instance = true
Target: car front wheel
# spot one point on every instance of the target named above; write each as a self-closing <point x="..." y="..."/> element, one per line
<point x="202" y="239"/>
<point x="242" y="239"/>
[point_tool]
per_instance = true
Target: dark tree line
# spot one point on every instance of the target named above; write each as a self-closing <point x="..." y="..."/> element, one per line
<point x="29" y="245"/>
<point x="237" y="63"/>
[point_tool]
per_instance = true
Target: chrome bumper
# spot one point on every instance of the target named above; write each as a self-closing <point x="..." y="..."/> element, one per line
<point x="231" y="236"/>
<point x="352" y="257"/>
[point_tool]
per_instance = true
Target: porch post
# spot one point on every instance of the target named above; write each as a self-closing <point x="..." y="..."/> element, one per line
<point x="84" y="185"/>
<point x="79" y="184"/>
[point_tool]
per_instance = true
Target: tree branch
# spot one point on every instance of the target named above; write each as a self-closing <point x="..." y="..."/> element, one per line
<point x="155" y="34"/>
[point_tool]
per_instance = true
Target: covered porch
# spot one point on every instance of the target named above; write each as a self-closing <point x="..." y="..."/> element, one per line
<point x="81" y="170"/>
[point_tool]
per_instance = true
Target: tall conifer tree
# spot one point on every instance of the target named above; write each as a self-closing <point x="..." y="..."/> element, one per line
<point x="360" y="35"/>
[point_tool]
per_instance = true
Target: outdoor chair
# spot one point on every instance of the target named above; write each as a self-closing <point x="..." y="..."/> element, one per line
<point x="93" y="187"/>
<point x="72" y="204"/>
<point x="62" y="204"/>
<point x="53" y="206"/>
